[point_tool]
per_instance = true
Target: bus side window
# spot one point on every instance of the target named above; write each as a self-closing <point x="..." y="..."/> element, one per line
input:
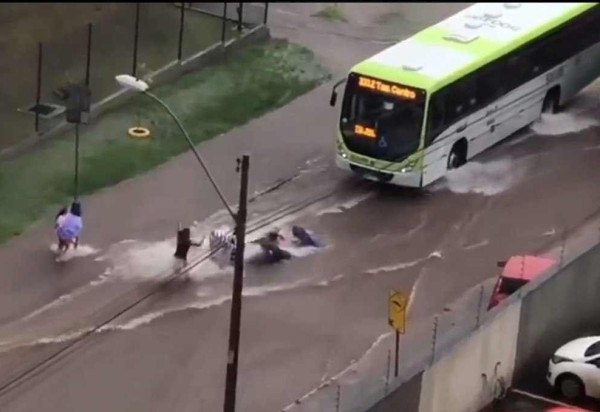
<point x="436" y="118"/>
<point x="521" y="68"/>
<point x="492" y="83"/>
<point x="453" y="105"/>
<point x="471" y="97"/>
<point x="484" y="93"/>
<point x="458" y="99"/>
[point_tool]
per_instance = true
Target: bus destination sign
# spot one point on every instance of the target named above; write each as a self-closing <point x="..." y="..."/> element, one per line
<point x="387" y="88"/>
<point x="365" y="131"/>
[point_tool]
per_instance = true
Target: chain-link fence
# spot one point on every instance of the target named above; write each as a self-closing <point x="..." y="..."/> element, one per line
<point x="372" y="376"/>
<point x="132" y="38"/>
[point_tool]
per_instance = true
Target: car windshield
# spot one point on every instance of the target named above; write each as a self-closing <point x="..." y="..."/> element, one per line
<point x="384" y="125"/>
<point x="508" y="286"/>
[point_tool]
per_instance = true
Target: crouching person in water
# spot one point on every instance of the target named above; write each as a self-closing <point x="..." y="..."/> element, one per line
<point x="184" y="243"/>
<point x="68" y="226"/>
<point x="270" y="246"/>
<point x="304" y="238"/>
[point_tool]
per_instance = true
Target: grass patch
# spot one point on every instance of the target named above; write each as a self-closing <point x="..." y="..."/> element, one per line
<point x="209" y="102"/>
<point x="63" y="30"/>
<point x="331" y="13"/>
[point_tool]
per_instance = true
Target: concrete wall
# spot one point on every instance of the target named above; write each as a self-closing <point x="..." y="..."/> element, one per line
<point x="408" y="396"/>
<point x="556" y="310"/>
<point x="463" y="379"/>
<point x="514" y="342"/>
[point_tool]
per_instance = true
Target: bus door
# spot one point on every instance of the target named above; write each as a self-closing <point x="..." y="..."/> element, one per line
<point x="482" y="131"/>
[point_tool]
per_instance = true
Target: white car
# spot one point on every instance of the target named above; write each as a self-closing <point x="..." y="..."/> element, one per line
<point x="574" y="369"/>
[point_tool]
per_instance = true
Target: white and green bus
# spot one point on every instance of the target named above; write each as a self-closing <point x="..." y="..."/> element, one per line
<point x="444" y="95"/>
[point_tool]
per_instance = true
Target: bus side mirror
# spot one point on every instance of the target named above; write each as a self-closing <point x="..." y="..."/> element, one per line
<point x="501" y="263"/>
<point x="333" y="98"/>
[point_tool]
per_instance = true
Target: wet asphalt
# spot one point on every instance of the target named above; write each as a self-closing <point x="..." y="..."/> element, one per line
<point x="304" y="320"/>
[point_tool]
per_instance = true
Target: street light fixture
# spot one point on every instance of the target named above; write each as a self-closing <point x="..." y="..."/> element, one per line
<point x="132" y="83"/>
<point x="138" y="85"/>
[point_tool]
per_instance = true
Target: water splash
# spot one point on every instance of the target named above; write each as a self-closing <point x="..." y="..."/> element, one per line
<point x="477" y="245"/>
<point x="352" y="367"/>
<point x="486" y="179"/>
<point x="139" y="260"/>
<point x="348" y="204"/>
<point x="562" y="123"/>
<point x="152" y="316"/>
<point x="198" y="305"/>
<point x="328" y="282"/>
<point x="550" y="232"/>
<point x="81" y="251"/>
<point x="404" y="265"/>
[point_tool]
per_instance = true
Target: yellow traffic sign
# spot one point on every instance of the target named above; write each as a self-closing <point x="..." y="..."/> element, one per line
<point x="398" y="302"/>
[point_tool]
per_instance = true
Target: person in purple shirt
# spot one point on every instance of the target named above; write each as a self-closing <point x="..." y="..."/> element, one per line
<point x="68" y="227"/>
<point x="304" y="238"/>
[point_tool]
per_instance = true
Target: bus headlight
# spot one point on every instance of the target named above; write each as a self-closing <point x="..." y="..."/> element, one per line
<point x="341" y="151"/>
<point x="409" y="167"/>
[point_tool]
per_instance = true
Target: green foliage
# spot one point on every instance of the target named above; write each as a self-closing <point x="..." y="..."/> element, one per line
<point x="331" y="13"/>
<point x="208" y="102"/>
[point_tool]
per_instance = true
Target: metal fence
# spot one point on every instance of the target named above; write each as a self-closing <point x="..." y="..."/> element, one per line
<point x="371" y="377"/>
<point x="133" y="38"/>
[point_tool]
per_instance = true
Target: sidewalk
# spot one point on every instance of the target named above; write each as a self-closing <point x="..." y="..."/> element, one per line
<point x="518" y="401"/>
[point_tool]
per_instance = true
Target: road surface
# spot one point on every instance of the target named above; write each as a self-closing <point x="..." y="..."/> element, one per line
<point x="307" y="319"/>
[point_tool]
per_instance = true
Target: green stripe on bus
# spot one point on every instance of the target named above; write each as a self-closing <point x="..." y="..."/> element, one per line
<point x="484" y="52"/>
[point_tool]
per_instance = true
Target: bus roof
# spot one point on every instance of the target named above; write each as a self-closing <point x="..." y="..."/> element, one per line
<point x="466" y="41"/>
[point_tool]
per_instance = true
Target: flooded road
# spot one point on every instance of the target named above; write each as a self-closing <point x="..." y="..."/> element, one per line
<point x="308" y="318"/>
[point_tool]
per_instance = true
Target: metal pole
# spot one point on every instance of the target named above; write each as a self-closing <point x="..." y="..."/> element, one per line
<point x="397" y="353"/>
<point x="387" y="372"/>
<point x="433" y="341"/>
<point x="193" y="149"/>
<point x="224" y="23"/>
<point x="479" y="306"/>
<point x="562" y="249"/>
<point x="240" y="13"/>
<point x="38" y="95"/>
<point x="76" y="180"/>
<point x="266" y="14"/>
<point x="236" y="298"/>
<point x="181" y="25"/>
<point x="89" y="56"/>
<point x="136" y="38"/>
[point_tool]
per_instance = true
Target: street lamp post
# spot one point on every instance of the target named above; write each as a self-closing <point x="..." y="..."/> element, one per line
<point x="132" y="83"/>
<point x="240" y="218"/>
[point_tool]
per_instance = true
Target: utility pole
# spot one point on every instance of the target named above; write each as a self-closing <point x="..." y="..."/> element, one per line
<point x="238" y="282"/>
<point x="78" y="103"/>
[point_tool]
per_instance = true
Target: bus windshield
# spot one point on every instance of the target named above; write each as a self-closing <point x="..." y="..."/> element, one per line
<point x="381" y="119"/>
